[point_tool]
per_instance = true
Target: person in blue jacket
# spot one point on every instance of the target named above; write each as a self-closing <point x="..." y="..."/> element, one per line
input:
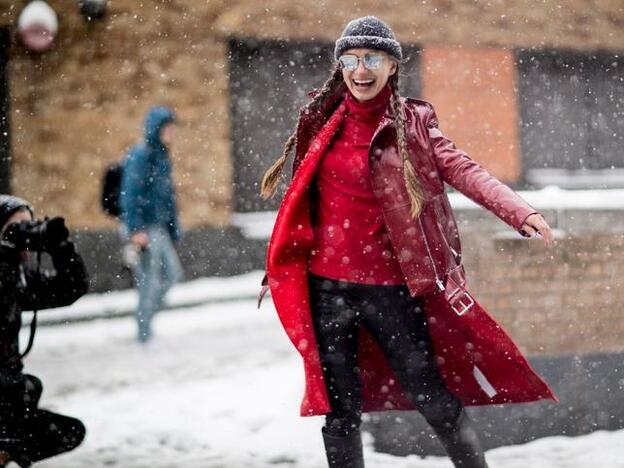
<point x="150" y="216"/>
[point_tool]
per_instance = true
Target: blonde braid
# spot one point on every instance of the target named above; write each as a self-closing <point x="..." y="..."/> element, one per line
<point x="272" y="176"/>
<point x="414" y="189"/>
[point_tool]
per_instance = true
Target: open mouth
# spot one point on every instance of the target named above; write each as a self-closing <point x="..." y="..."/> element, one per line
<point x="362" y="85"/>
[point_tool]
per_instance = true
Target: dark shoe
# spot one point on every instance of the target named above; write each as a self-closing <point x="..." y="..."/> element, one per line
<point x="344" y="451"/>
<point x="461" y="442"/>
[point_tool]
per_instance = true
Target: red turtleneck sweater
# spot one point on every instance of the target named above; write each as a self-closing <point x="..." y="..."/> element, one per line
<point x="350" y="239"/>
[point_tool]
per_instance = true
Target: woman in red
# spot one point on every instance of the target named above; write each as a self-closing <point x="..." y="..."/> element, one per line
<point x="364" y="263"/>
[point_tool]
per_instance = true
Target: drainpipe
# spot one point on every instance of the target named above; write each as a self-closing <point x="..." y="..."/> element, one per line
<point x="5" y="109"/>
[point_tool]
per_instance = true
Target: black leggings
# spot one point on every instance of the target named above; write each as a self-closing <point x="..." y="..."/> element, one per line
<point x="398" y="324"/>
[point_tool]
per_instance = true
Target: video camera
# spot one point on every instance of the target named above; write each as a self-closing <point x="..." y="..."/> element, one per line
<point x="39" y="235"/>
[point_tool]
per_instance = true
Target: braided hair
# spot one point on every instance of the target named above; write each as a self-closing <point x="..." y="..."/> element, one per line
<point x="272" y="176"/>
<point x="412" y="184"/>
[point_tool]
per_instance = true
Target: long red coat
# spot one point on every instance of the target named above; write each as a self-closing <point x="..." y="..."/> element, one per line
<point x="478" y="360"/>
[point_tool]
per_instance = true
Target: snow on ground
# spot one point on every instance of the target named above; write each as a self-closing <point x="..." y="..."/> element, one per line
<point x="189" y="293"/>
<point x="219" y="387"/>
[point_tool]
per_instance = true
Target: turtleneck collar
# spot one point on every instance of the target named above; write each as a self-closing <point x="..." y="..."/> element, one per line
<point x="371" y="109"/>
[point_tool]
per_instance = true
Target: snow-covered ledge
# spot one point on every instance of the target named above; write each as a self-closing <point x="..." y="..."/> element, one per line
<point x="258" y="225"/>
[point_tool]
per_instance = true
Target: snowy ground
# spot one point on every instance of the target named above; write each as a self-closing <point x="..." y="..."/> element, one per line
<point x="219" y="387"/>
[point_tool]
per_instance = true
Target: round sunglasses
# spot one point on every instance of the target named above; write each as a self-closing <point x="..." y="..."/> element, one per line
<point x="370" y="61"/>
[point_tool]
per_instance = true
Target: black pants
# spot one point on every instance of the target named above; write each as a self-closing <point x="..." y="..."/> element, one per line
<point x="398" y="324"/>
<point x="45" y="434"/>
<point x="36" y="434"/>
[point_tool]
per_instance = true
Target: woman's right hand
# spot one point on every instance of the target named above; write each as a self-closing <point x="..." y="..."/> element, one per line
<point x="535" y="225"/>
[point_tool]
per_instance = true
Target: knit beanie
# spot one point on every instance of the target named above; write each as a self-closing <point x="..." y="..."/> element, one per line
<point x="10" y="205"/>
<point x="368" y="32"/>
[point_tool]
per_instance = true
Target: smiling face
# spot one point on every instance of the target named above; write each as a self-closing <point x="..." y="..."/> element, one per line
<point x="365" y="83"/>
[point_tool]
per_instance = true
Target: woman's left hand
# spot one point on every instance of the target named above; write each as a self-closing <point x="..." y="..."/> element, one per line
<point x="536" y="225"/>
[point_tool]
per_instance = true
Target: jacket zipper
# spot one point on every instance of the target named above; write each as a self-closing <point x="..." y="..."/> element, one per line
<point x="453" y="251"/>
<point x="439" y="281"/>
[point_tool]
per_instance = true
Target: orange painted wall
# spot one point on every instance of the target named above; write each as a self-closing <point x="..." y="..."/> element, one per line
<point x="473" y="92"/>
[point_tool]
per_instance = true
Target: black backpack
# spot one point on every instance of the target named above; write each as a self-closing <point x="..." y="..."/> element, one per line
<point x="111" y="187"/>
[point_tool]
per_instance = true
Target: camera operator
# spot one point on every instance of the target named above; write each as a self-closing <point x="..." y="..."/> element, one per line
<point x="27" y="433"/>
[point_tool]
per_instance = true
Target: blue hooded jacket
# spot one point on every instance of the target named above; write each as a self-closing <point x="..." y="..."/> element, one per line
<point x="147" y="196"/>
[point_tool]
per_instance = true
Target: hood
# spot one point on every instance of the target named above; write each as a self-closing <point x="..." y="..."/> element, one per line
<point x="155" y="119"/>
<point x="9" y="205"/>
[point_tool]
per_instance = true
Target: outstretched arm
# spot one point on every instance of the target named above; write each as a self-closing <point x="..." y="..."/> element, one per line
<point x="464" y="174"/>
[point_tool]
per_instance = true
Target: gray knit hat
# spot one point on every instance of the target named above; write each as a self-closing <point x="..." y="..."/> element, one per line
<point x="368" y="32"/>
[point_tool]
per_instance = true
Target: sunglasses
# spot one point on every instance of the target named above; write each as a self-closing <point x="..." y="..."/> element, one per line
<point x="350" y="62"/>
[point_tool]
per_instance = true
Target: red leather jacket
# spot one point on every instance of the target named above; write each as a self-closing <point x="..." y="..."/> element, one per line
<point x="428" y="248"/>
<point x="492" y="369"/>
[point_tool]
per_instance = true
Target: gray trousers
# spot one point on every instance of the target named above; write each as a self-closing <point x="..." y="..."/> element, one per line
<point x="158" y="269"/>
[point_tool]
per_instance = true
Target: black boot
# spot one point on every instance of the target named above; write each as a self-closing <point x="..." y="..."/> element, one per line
<point x="345" y="451"/>
<point x="462" y="443"/>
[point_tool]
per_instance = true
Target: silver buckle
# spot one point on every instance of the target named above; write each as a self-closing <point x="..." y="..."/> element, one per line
<point x="461" y="303"/>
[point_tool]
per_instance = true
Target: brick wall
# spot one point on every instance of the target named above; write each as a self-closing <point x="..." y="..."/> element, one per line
<point x="560" y="300"/>
<point x="79" y="106"/>
<point x="553" y="301"/>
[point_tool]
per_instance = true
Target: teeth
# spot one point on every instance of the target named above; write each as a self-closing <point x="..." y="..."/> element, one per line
<point x="362" y="82"/>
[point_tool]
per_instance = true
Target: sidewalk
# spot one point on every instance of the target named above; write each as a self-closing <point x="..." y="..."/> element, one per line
<point x="188" y="294"/>
<point x="221" y="388"/>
